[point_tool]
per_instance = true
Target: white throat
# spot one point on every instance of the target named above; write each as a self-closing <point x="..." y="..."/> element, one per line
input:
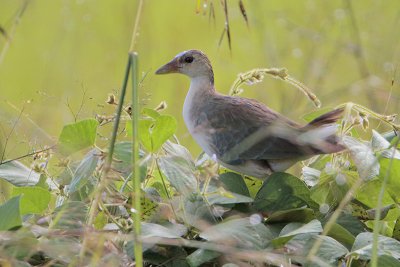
<point x="199" y="88"/>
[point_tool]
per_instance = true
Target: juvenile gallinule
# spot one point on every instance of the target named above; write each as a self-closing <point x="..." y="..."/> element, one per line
<point x="243" y="134"/>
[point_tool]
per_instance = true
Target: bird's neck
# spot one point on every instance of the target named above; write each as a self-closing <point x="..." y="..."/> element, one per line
<point x="201" y="89"/>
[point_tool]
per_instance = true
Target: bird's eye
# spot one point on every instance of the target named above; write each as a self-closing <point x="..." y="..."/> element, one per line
<point x="189" y="59"/>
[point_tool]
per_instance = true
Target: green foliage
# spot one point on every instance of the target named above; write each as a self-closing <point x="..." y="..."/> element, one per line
<point x="34" y="200"/>
<point x="10" y="215"/>
<point x="77" y="136"/>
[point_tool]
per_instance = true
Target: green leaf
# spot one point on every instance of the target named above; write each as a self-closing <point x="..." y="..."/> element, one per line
<point x="329" y="252"/>
<point x="167" y="231"/>
<point x="234" y="183"/>
<point x="154" y="132"/>
<point x="144" y="133"/>
<point x="34" y="199"/>
<point x="218" y="195"/>
<point x="10" y="216"/>
<point x="342" y="235"/>
<point x="77" y="136"/>
<point x="201" y="256"/>
<point x="18" y="174"/>
<point x="244" y="233"/>
<point x="100" y="220"/>
<point x="391" y="169"/>
<point x="71" y="215"/>
<point x="196" y="211"/>
<point x="303" y="215"/>
<point x="396" y="230"/>
<point x="294" y="228"/>
<point x="180" y="173"/>
<point x="123" y="162"/>
<point x="362" y="247"/>
<point x="386" y="261"/>
<point x="164" y="127"/>
<point x="283" y="191"/>
<point x="150" y="113"/>
<point x="84" y="171"/>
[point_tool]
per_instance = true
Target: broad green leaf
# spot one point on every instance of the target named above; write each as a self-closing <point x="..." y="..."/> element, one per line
<point x="386" y="261"/>
<point x="164" y="128"/>
<point x="168" y="231"/>
<point x="18" y="174"/>
<point x="234" y="183"/>
<point x="196" y="211"/>
<point x="179" y="173"/>
<point x="100" y="220"/>
<point x="145" y="133"/>
<point x="34" y="199"/>
<point x="71" y="215"/>
<point x="174" y="149"/>
<point x="218" y="195"/>
<point x="362" y="247"/>
<point x="243" y="233"/>
<point x="342" y="235"/>
<point x="294" y="228"/>
<point x="150" y="113"/>
<point x="77" y="136"/>
<point x="368" y="194"/>
<point x="351" y="224"/>
<point x="363" y="156"/>
<point x="396" y="230"/>
<point x="331" y="188"/>
<point x="283" y="191"/>
<point x="123" y="162"/>
<point x="84" y="171"/>
<point x="154" y="132"/>
<point x="303" y="215"/>
<point x="10" y="216"/>
<point x="391" y="169"/>
<point x="329" y="252"/>
<point x="200" y="256"/>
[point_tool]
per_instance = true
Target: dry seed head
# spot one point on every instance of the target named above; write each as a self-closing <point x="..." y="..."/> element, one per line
<point x="111" y="100"/>
<point x="391" y="118"/>
<point x="365" y="123"/>
<point x="163" y="105"/>
<point x="128" y="109"/>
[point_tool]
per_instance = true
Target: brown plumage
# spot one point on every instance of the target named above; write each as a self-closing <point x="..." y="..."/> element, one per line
<point x="243" y="134"/>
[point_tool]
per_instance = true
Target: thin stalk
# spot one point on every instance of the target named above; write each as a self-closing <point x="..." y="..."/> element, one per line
<point x="136" y="26"/>
<point x="135" y="160"/>
<point x="377" y="224"/>
<point x="107" y="164"/>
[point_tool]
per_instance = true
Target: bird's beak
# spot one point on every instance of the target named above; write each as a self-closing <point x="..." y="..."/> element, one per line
<point x="170" y="67"/>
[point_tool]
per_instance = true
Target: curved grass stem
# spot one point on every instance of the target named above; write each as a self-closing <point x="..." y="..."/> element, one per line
<point x="257" y="75"/>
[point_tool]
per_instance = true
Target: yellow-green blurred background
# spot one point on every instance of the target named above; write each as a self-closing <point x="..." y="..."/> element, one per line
<point x="63" y="51"/>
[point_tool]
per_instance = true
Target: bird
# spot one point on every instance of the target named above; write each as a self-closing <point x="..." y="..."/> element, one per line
<point x="243" y="134"/>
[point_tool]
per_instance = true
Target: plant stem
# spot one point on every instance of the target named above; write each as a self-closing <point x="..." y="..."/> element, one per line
<point x="375" y="237"/>
<point x="136" y="26"/>
<point x="135" y="160"/>
<point x="107" y="164"/>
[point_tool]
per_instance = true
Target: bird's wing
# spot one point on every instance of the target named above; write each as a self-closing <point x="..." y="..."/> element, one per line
<point x="243" y="129"/>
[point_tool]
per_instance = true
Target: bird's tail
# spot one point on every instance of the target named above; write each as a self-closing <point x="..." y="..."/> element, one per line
<point x="324" y="129"/>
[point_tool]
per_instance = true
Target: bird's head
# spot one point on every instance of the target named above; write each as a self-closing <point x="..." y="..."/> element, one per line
<point x="192" y="63"/>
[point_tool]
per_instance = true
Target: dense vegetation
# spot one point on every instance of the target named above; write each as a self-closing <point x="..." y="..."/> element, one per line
<point x="72" y="202"/>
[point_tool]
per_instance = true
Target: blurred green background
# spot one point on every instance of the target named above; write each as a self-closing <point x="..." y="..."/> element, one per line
<point x="61" y="52"/>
